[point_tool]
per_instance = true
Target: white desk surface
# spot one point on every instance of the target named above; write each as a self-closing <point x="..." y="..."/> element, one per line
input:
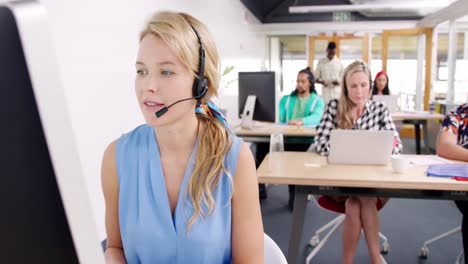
<point x="417" y="115"/>
<point x="265" y="129"/>
<point x="307" y="168"/>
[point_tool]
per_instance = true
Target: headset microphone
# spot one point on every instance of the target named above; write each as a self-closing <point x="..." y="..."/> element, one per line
<point x="163" y="110"/>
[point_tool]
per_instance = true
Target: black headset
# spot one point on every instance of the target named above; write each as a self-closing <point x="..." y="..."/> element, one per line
<point x="200" y="85"/>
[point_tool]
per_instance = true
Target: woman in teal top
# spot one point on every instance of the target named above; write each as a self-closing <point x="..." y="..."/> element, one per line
<point x="180" y="188"/>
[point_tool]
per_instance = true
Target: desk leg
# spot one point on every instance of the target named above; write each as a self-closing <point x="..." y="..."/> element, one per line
<point x="297" y="224"/>
<point x="417" y="136"/>
<point x="426" y="136"/>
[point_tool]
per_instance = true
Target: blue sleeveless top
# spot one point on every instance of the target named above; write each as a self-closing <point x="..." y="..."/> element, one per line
<point x="150" y="234"/>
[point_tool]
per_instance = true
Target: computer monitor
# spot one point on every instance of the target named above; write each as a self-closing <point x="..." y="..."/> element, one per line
<point x="46" y="214"/>
<point x="391" y="101"/>
<point x="262" y="85"/>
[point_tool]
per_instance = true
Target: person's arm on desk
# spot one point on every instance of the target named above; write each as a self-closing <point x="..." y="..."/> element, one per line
<point x="447" y="147"/>
<point x="327" y="124"/>
<point x="282" y="110"/>
<point x="110" y="186"/>
<point x="296" y="123"/>
<point x="247" y="227"/>
<point x="386" y="123"/>
<point x="314" y="118"/>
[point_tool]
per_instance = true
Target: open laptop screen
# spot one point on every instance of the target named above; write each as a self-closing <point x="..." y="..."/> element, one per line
<point x="363" y="147"/>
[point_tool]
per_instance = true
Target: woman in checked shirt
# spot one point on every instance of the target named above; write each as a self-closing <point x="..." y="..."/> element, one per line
<point x="354" y="111"/>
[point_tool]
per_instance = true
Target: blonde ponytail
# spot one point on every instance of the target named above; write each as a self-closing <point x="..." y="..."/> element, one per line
<point x="214" y="144"/>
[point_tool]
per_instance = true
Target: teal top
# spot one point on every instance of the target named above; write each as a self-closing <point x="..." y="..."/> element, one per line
<point x="312" y="113"/>
<point x="149" y="232"/>
<point x="299" y="109"/>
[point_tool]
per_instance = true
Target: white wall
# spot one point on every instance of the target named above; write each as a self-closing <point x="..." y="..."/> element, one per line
<point x="96" y="44"/>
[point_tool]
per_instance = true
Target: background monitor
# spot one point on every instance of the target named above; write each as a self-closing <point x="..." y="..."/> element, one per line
<point x="46" y="215"/>
<point x="262" y="85"/>
<point x="391" y="101"/>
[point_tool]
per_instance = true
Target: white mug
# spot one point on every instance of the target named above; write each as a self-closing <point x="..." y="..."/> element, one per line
<point x="400" y="163"/>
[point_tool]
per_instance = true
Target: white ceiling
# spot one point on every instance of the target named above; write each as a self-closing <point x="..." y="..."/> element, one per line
<point x="410" y="8"/>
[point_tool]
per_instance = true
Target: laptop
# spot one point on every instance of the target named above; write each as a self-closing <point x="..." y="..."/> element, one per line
<point x="362" y="147"/>
<point x="391" y="101"/>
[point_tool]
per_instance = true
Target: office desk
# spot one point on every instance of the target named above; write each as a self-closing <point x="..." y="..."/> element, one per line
<point x="418" y="119"/>
<point x="263" y="130"/>
<point x="311" y="173"/>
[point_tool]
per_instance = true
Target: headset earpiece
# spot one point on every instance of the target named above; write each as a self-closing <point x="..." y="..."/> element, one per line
<point x="202" y="89"/>
<point x="345" y="86"/>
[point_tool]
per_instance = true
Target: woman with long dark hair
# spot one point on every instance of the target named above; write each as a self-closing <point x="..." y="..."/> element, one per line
<point x="381" y="84"/>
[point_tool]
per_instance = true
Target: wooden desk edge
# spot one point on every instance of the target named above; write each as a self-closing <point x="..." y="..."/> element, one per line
<point x="364" y="184"/>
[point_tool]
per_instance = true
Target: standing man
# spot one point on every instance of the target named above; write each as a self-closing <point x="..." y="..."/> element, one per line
<point x="328" y="74"/>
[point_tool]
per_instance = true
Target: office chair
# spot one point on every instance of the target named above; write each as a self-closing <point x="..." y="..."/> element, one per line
<point x="425" y="250"/>
<point x="325" y="202"/>
<point x="272" y="253"/>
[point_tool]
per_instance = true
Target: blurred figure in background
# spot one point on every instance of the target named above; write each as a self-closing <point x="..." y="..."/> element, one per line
<point x="328" y="74"/>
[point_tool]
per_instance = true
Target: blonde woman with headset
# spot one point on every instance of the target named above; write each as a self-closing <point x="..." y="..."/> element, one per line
<point x="354" y="110"/>
<point x="181" y="188"/>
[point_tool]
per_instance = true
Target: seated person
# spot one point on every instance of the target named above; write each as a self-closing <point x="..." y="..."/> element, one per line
<point x="453" y="144"/>
<point x="180" y="188"/>
<point x="354" y="111"/>
<point x="303" y="106"/>
<point x="381" y="88"/>
<point x="381" y="84"/>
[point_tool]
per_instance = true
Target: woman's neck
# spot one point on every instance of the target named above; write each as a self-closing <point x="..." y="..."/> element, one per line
<point x="358" y="110"/>
<point x="178" y="136"/>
